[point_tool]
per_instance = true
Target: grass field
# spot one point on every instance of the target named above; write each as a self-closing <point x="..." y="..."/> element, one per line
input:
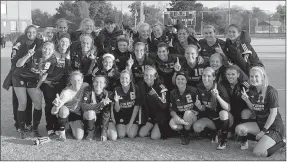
<point x="13" y="148"/>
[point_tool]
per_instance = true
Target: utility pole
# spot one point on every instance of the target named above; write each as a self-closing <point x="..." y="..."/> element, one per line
<point x="229" y="14"/>
<point x="201" y="23"/>
<point x="136" y="14"/>
<point x="18" y="22"/>
<point x="122" y="11"/>
<point x="141" y="12"/>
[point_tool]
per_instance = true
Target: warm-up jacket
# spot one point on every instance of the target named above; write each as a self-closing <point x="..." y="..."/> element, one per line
<point x="108" y="40"/>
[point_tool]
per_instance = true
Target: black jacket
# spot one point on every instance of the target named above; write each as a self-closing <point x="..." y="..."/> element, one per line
<point x="177" y="47"/>
<point x="108" y="41"/>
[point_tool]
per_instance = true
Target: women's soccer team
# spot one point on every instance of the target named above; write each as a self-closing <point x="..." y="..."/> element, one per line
<point x="153" y="81"/>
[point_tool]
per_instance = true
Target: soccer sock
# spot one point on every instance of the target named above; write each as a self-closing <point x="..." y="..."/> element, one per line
<point x="90" y="125"/>
<point x="21" y="115"/>
<point x="224" y="128"/>
<point x="37" y="114"/>
<point x="275" y="148"/>
<point x="62" y="123"/>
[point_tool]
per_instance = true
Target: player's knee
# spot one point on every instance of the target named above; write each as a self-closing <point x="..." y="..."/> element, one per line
<point x="132" y="134"/>
<point x="246" y="114"/>
<point x="155" y="135"/>
<point x="121" y="133"/>
<point x="89" y="115"/>
<point x="241" y="130"/>
<point x="259" y="152"/>
<point x="64" y="112"/>
<point x="112" y="136"/>
<point x="22" y="105"/>
<point x="79" y="135"/>
<point x="143" y="132"/>
<point x="223" y="115"/>
<point x="198" y="127"/>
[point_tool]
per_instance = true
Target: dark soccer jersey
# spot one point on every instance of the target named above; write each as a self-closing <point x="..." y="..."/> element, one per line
<point x="121" y="58"/>
<point x="138" y="70"/>
<point x="205" y="98"/>
<point x="128" y="101"/>
<point x="113" y="76"/>
<point x="262" y="108"/>
<point x="181" y="103"/>
<point x="207" y="51"/>
<point x="37" y="66"/>
<point x="193" y="74"/>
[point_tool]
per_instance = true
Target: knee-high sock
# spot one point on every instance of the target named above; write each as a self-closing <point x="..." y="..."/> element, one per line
<point x="29" y="110"/>
<point x="21" y="115"/>
<point x="275" y="148"/>
<point x="224" y="129"/>
<point x="37" y="114"/>
<point x="62" y="123"/>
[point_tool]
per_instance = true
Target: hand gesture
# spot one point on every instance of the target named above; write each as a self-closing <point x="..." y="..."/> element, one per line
<point x="31" y="51"/>
<point x="244" y="95"/>
<point x="259" y="135"/>
<point x="246" y="56"/>
<point x="57" y="100"/>
<point x="200" y="60"/>
<point x="117" y="97"/>
<point x="198" y="103"/>
<point x="106" y="100"/>
<point x="215" y="92"/>
<point x="219" y="49"/>
<point x="181" y="121"/>
<point x="177" y="65"/>
<point x="152" y="92"/>
<point x="130" y="62"/>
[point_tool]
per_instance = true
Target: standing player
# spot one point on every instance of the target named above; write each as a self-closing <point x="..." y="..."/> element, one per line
<point x="214" y="106"/>
<point x="122" y="53"/>
<point x="192" y="67"/>
<point x="154" y="103"/>
<point x="126" y="106"/>
<point x="182" y="100"/>
<point x="269" y="130"/>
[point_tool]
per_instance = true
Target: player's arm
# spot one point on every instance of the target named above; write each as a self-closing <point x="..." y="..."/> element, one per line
<point x="223" y="98"/>
<point x="159" y="99"/>
<point x="134" y="115"/>
<point x="273" y="105"/>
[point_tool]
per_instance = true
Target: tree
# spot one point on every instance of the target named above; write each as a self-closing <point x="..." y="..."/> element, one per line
<point x="42" y="19"/>
<point x="281" y="11"/>
<point x="182" y="5"/>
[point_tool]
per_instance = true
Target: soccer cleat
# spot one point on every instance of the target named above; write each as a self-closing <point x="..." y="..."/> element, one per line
<point x="244" y="145"/>
<point x="90" y="135"/>
<point x="62" y="136"/>
<point x="51" y="132"/>
<point x="221" y="145"/>
<point x="35" y="133"/>
<point x="214" y="139"/>
<point x="28" y="127"/>
<point x="23" y="134"/>
<point x="184" y="138"/>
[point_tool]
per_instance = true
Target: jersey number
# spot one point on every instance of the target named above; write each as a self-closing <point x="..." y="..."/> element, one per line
<point x="133" y="96"/>
<point x="188" y="98"/>
<point x="198" y="72"/>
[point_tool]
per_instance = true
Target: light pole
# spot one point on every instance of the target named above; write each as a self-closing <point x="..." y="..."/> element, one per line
<point x="229" y="14"/>
<point x="18" y="22"/>
<point x="141" y="12"/>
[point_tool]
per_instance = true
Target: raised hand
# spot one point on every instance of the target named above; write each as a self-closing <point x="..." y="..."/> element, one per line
<point x="244" y="95"/>
<point x="31" y="51"/>
<point x="198" y="103"/>
<point x="177" y="65"/>
<point x="152" y="92"/>
<point x="106" y="100"/>
<point x="215" y="91"/>
<point x="130" y="61"/>
<point x="219" y="49"/>
<point x="117" y="97"/>
<point x="57" y="100"/>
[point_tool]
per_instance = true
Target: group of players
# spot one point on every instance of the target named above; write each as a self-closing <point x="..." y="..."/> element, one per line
<point x="149" y="82"/>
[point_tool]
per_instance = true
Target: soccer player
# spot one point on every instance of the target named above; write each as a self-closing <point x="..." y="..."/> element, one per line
<point x="262" y="99"/>
<point x="210" y="44"/>
<point x="154" y="103"/>
<point x="62" y="26"/>
<point x="122" y="53"/>
<point x="182" y="110"/>
<point x="33" y="69"/>
<point x="240" y="51"/>
<point x="96" y="105"/>
<point x="67" y="107"/>
<point x="214" y="107"/>
<point x="126" y="106"/>
<point x="144" y="35"/>
<point x="192" y="67"/>
<point x="87" y="26"/>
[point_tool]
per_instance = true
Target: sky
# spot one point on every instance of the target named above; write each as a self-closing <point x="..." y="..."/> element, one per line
<point x="50" y="6"/>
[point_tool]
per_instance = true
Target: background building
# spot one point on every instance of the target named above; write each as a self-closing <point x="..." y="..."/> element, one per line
<point x="15" y="16"/>
<point x="269" y="27"/>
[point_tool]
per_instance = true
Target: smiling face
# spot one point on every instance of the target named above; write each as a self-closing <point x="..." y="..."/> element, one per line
<point x="182" y="35"/>
<point x="233" y="33"/>
<point x="108" y="63"/>
<point x="144" y="32"/>
<point x="149" y="76"/>
<point x="31" y="33"/>
<point x="123" y="46"/>
<point x="47" y="50"/>
<point x="232" y="76"/>
<point x="208" y="34"/>
<point x="180" y="81"/>
<point x="157" y="31"/>
<point x="139" y="51"/>
<point x="99" y="84"/>
<point x="207" y="78"/>
<point x="76" y="81"/>
<point x="162" y="53"/>
<point x="125" y="79"/>
<point x="62" y="27"/>
<point x="88" y="27"/>
<point x="215" y="62"/>
<point x="65" y="43"/>
<point x="110" y="27"/>
<point x="256" y="78"/>
<point x="86" y="43"/>
<point x="191" y="54"/>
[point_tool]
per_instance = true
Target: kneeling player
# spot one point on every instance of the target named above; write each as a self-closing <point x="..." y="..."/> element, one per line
<point x="181" y="107"/>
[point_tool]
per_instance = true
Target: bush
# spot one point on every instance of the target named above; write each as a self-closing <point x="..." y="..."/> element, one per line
<point x="12" y="36"/>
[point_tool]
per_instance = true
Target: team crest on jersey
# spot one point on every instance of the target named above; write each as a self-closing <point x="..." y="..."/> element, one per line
<point x="132" y="95"/>
<point x="117" y="60"/>
<point x="202" y="94"/>
<point x="85" y="98"/>
<point x="47" y="65"/>
<point x="22" y="82"/>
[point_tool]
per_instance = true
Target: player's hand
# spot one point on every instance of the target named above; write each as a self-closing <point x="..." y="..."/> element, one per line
<point x="198" y="103"/>
<point x="214" y="91"/>
<point x="152" y="92"/>
<point x="259" y="135"/>
<point x="244" y="95"/>
<point x="219" y="49"/>
<point x="31" y="52"/>
<point x="177" y="65"/>
<point x="246" y="56"/>
<point x="130" y="62"/>
<point x="180" y="121"/>
<point x="106" y="100"/>
<point x="129" y="127"/>
<point x="117" y="97"/>
<point x="200" y="60"/>
<point x="104" y="138"/>
<point x="57" y="101"/>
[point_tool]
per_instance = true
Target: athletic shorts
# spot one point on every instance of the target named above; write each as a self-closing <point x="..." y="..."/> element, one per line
<point x="123" y="117"/>
<point x="181" y="114"/>
<point x="19" y="81"/>
<point x="73" y="117"/>
<point x="277" y="136"/>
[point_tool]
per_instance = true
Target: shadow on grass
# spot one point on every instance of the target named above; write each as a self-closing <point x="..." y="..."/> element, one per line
<point x="20" y="141"/>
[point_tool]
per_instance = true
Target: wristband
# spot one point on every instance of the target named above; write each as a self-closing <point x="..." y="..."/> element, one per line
<point x="264" y="130"/>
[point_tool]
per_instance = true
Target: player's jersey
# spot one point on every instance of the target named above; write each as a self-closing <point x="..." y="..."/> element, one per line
<point x="37" y="66"/>
<point x="113" y="76"/>
<point x="121" y="58"/>
<point x="181" y="103"/>
<point x="128" y="101"/>
<point x="138" y="70"/>
<point x="206" y="50"/>
<point x="262" y="108"/>
<point x="193" y="74"/>
<point x="205" y="96"/>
